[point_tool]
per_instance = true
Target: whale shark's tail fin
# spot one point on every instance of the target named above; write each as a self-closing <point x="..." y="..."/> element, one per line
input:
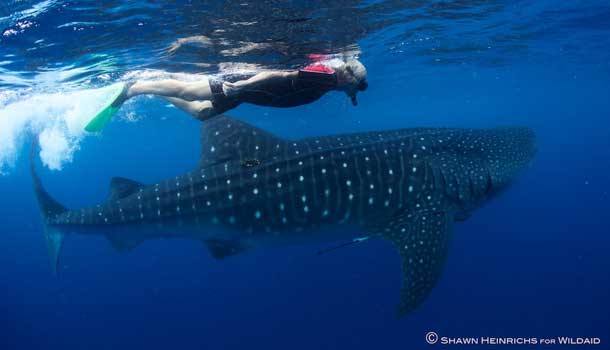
<point x="49" y="208"/>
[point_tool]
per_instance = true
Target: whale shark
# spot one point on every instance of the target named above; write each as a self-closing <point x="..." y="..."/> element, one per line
<point x="252" y="189"/>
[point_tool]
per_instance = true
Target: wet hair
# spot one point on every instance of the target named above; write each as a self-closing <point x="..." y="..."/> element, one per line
<point x="354" y="77"/>
<point x="357" y="72"/>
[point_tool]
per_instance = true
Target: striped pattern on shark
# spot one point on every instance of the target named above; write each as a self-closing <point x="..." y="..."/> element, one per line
<point x="254" y="189"/>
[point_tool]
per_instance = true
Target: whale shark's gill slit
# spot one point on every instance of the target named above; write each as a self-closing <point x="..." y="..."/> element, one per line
<point x="361" y="186"/>
<point x="489" y="183"/>
<point x="471" y="187"/>
<point x="422" y="169"/>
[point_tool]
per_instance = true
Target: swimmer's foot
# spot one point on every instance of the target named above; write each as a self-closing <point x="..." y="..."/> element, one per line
<point x="96" y="124"/>
<point x="123" y="96"/>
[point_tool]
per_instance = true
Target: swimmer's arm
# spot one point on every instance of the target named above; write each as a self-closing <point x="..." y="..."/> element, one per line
<point x="190" y="40"/>
<point x="258" y="80"/>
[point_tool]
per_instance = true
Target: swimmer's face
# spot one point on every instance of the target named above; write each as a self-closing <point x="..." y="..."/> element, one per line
<point x="361" y="86"/>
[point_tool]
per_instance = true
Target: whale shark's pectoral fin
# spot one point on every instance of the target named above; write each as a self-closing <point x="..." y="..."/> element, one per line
<point x="221" y="249"/>
<point x="422" y="239"/>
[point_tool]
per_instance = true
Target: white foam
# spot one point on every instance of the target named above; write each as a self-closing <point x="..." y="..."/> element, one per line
<point x="58" y="119"/>
<point x="55" y="148"/>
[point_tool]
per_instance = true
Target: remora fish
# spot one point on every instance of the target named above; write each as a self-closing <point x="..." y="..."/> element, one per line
<point x="254" y="189"/>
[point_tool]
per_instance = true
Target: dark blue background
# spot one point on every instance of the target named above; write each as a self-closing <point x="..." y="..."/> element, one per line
<point x="531" y="263"/>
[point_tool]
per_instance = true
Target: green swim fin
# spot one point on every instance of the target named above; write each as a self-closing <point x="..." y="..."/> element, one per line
<point x="110" y="109"/>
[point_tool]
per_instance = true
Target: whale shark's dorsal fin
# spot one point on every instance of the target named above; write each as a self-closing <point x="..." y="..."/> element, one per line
<point x="224" y="139"/>
<point x="121" y="187"/>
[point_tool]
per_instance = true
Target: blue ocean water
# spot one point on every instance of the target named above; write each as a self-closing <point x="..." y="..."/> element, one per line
<point x="531" y="263"/>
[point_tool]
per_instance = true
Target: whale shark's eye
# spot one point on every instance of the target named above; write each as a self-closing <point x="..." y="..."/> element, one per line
<point x="249" y="163"/>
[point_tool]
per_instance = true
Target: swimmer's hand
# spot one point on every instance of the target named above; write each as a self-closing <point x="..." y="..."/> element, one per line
<point x="267" y="78"/>
<point x="230" y="89"/>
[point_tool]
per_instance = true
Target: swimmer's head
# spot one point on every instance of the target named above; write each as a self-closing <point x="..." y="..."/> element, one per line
<point x="351" y="78"/>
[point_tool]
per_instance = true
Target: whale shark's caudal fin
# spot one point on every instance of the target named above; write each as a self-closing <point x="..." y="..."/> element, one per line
<point x="225" y="139"/>
<point x="49" y="208"/>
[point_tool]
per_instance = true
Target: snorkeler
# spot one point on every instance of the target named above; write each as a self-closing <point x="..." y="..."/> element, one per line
<point x="207" y="98"/>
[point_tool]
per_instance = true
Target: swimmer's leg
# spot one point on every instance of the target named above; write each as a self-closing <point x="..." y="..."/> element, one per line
<point x="196" y="92"/>
<point x="190" y="91"/>
<point x="202" y="110"/>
